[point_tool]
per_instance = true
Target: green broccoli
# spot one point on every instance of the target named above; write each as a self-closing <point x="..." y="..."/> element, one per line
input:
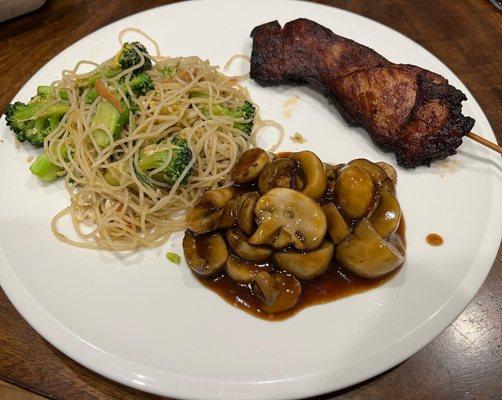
<point x="45" y="169"/>
<point x="141" y="84"/>
<point x="182" y="155"/>
<point x="108" y="119"/>
<point x="246" y="112"/>
<point x="128" y="57"/>
<point x="169" y="71"/>
<point x="32" y="122"/>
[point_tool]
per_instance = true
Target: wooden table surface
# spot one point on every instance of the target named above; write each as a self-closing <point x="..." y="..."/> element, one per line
<point x="464" y="362"/>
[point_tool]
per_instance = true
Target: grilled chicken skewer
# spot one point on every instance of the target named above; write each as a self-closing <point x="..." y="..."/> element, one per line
<point x="406" y="109"/>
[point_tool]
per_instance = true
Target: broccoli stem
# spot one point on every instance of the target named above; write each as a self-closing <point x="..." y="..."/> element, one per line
<point x="45" y="169"/>
<point x="108" y="119"/>
<point x="49" y="92"/>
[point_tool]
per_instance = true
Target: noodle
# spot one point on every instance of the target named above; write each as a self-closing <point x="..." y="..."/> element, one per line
<point x="114" y="204"/>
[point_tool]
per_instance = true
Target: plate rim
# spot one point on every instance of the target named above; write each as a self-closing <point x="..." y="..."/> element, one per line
<point x="112" y="366"/>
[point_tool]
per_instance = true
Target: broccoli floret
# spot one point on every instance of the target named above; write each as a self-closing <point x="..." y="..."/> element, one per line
<point x="182" y="155"/>
<point x="32" y="122"/>
<point x="128" y="57"/>
<point x="246" y="112"/>
<point x="141" y="84"/>
<point x="45" y="169"/>
<point x="169" y="71"/>
<point x="108" y="119"/>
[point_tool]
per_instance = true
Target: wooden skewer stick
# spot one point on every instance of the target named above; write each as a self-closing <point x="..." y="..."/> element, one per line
<point x="485" y="142"/>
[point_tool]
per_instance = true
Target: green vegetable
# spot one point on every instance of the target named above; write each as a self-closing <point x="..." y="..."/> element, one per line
<point x="32" y="122"/>
<point x="108" y="119"/>
<point x="182" y="155"/>
<point x="246" y="112"/>
<point x="169" y="71"/>
<point x="173" y="257"/>
<point x="128" y="57"/>
<point x="49" y="92"/>
<point x="91" y="95"/>
<point x="141" y="84"/>
<point x="45" y="169"/>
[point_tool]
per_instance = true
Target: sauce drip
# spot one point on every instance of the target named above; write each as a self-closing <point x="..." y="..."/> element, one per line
<point x="434" y="239"/>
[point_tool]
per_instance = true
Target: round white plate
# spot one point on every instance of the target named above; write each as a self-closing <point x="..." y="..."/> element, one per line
<point x="142" y="321"/>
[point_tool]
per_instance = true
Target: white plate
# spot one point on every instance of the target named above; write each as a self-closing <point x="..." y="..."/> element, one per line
<point x="149" y="324"/>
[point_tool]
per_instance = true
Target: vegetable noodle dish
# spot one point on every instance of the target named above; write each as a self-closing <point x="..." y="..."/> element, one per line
<point x="138" y="139"/>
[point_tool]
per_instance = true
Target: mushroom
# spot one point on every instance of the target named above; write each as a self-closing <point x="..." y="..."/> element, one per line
<point x="249" y="165"/>
<point x="285" y="217"/>
<point x="313" y="171"/>
<point x="355" y="191"/>
<point x="388" y="186"/>
<point x="306" y="264"/>
<point x="282" y="172"/>
<point x="389" y="170"/>
<point x="337" y="227"/>
<point x="245" y="212"/>
<point x="367" y="254"/>
<point x="238" y="242"/>
<point x="239" y="270"/>
<point x="205" y="215"/>
<point x="277" y="292"/>
<point x="387" y="215"/>
<point x="228" y="218"/>
<point x="205" y="254"/>
<point x="377" y="173"/>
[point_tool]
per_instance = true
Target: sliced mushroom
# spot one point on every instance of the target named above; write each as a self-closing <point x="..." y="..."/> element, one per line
<point x="315" y="178"/>
<point x="306" y="264"/>
<point x="367" y="254"/>
<point x="285" y="217"/>
<point x="355" y="191"/>
<point x="238" y="242"/>
<point x="205" y="215"/>
<point x="282" y="172"/>
<point x="205" y="254"/>
<point x="337" y="227"/>
<point x="249" y="165"/>
<point x="377" y="173"/>
<point x="387" y="215"/>
<point x="277" y="292"/>
<point x="389" y="170"/>
<point x="245" y="212"/>
<point x="240" y="270"/>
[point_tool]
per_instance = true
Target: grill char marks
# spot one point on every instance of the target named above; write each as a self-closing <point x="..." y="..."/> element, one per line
<point x="406" y="109"/>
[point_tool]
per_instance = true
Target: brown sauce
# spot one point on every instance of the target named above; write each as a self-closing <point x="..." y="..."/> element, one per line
<point x="434" y="239"/>
<point x="335" y="284"/>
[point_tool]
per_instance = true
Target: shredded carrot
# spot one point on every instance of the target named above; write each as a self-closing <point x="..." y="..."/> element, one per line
<point x="106" y="94"/>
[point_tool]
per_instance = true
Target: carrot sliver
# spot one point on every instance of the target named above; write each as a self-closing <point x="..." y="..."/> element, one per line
<point x="104" y="92"/>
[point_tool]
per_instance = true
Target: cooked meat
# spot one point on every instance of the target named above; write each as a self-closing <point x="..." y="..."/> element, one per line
<point x="406" y="109"/>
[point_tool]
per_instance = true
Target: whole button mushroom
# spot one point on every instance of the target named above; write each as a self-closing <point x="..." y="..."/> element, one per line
<point x="277" y="292"/>
<point x="287" y="217"/>
<point x="282" y="172"/>
<point x="367" y="254"/>
<point x="355" y="191"/>
<point x="205" y="215"/>
<point x="249" y="165"/>
<point x="377" y="173"/>
<point x="306" y="264"/>
<point x="205" y="254"/>
<point x="387" y="215"/>
<point x="245" y="212"/>
<point x="315" y="178"/>
<point x="238" y="242"/>
<point x="240" y="270"/>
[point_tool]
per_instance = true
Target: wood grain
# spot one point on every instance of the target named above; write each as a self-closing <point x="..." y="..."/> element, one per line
<point x="464" y="362"/>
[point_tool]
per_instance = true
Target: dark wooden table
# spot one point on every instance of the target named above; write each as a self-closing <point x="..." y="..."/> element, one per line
<point x="464" y="362"/>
